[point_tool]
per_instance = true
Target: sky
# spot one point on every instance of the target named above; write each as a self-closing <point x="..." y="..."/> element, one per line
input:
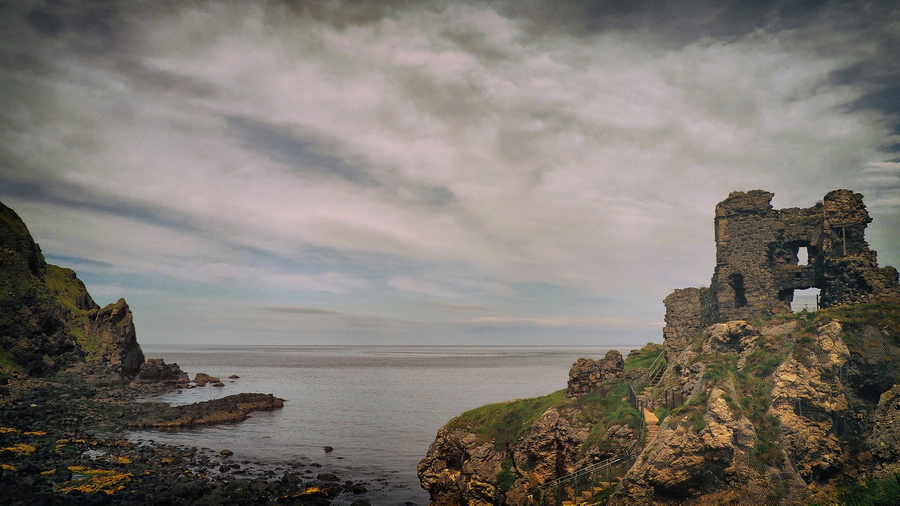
<point x="438" y="172"/>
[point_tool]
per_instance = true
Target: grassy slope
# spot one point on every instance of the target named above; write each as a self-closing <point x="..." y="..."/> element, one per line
<point x="505" y="423"/>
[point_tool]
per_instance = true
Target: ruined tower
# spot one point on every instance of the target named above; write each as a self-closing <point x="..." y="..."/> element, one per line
<point x="763" y="255"/>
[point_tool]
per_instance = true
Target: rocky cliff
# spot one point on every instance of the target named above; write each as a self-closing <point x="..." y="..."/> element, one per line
<point x="789" y="409"/>
<point x="783" y="410"/>
<point x="47" y="318"/>
<point x="497" y="453"/>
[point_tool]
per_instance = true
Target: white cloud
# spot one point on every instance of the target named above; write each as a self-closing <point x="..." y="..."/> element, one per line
<point x="443" y="150"/>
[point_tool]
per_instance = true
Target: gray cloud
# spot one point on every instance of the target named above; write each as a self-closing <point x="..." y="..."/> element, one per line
<point x="300" y="154"/>
<point x="373" y="155"/>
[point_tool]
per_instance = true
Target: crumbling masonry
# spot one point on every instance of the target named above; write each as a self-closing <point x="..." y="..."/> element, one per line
<point x="758" y="255"/>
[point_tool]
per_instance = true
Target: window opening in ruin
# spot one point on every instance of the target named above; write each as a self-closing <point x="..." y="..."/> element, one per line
<point x="843" y="237"/>
<point x="807" y="300"/>
<point x="787" y="295"/>
<point x="803" y="256"/>
<point x="802" y="253"/>
<point x="737" y="284"/>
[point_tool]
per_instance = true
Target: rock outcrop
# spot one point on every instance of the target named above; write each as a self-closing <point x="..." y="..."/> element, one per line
<point x="777" y="411"/>
<point x="229" y="409"/>
<point x="157" y="371"/>
<point x="496" y="454"/>
<point x="112" y="328"/>
<point x="587" y="374"/>
<point x="48" y="320"/>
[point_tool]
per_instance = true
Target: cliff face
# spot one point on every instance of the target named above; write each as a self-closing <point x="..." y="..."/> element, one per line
<point x="47" y="318"/>
<point x="780" y="410"/>
<point x="497" y="453"/>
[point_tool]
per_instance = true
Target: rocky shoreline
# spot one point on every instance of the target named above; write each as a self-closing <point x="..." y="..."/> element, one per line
<point x="62" y="442"/>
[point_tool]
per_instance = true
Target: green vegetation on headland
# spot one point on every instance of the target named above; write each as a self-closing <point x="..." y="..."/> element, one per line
<point x="505" y="422"/>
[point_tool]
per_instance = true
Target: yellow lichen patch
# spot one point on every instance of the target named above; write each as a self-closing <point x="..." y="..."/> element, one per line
<point x="310" y="491"/>
<point x="62" y="443"/>
<point x="7" y="430"/>
<point x="87" y="470"/>
<point x="8" y="467"/>
<point x="36" y="433"/>
<point x="99" y="480"/>
<point x="45" y="473"/>
<point x="121" y="460"/>
<point x="21" y="449"/>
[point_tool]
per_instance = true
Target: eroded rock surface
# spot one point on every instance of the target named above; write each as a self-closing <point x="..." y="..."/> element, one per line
<point x="232" y="408"/>
<point x="586" y="375"/>
<point x="779" y="424"/>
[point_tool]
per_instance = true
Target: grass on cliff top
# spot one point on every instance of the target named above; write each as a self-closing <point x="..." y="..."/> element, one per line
<point x="881" y="313"/>
<point x="65" y="287"/>
<point x="604" y="409"/>
<point x="506" y="422"/>
<point x="644" y="357"/>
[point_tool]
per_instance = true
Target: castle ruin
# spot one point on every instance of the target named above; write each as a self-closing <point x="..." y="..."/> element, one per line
<point x="759" y="255"/>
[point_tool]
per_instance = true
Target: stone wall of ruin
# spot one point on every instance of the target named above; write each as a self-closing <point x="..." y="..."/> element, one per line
<point x="763" y="255"/>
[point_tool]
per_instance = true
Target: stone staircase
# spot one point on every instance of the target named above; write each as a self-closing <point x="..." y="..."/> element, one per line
<point x="652" y="424"/>
<point x="587" y="494"/>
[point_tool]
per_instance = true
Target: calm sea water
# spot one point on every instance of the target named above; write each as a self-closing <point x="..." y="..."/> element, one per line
<point x="379" y="407"/>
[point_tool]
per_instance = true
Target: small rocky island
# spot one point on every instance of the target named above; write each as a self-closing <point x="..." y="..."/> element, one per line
<point x="744" y="403"/>
<point x="69" y="374"/>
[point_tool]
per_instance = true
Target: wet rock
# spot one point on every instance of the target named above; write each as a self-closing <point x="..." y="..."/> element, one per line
<point x="155" y="370"/>
<point x="232" y="408"/>
<point x="290" y="478"/>
<point x="226" y="453"/>
<point x="326" y="477"/>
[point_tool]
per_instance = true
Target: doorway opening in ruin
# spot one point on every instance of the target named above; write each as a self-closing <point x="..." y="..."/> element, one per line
<point x="807" y="299"/>
<point x="737" y="284"/>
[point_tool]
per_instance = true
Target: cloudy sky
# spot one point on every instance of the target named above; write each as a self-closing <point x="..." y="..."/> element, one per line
<point x="401" y="172"/>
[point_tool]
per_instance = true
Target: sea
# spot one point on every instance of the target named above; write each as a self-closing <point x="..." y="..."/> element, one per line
<point x="378" y="407"/>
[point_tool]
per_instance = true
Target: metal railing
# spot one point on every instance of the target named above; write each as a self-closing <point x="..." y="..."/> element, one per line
<point x="584" y="482"/>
